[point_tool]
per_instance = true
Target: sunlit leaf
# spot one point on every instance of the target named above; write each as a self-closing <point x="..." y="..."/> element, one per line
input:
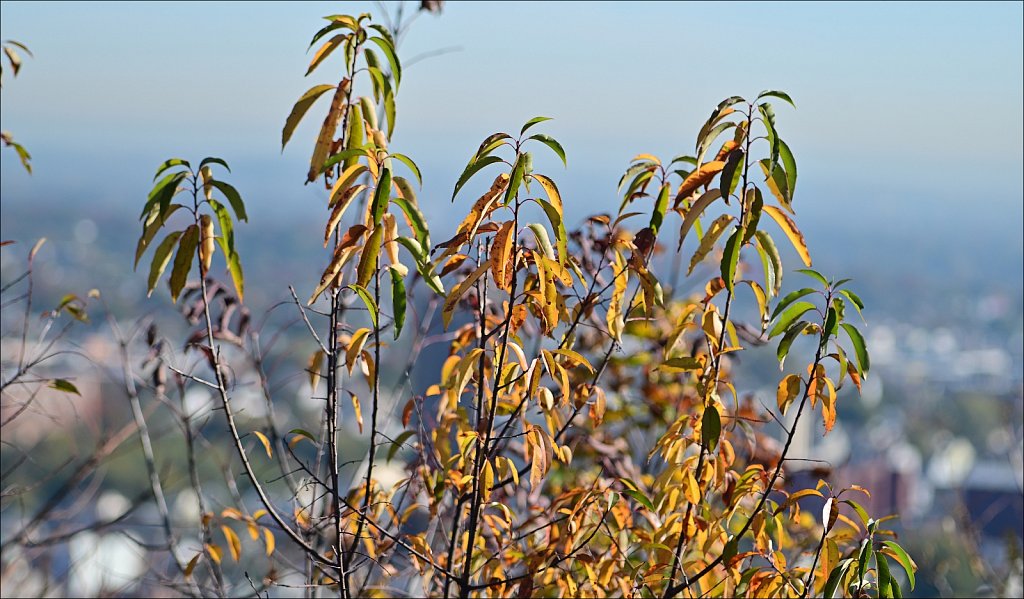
<point x="183" y="260"/>
<point x="552" y="143"/>
<point x="859" y="348"/>
<point x="398" y="299"/>
<point x="792" y="232"/>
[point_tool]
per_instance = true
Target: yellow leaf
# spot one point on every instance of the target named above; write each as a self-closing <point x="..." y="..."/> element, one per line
<point x="316" y="362"/>
<point x="699" y="177"/>
<point x="326" y="136"/>
<point x="486" y="480"/>
<point x="339" y="210"/>
<point x="788" y="389"/>
<point x="266" y="442"/>
<point x="501" y="253"/>
<point x="456" y="294"/>
<point x="192" y="565"/>
<point x="215" y="552"/>
<point x="792" y="232"/>
<point x="234" y="543"/>
<point x="615" y="318"/>
<point x="357" y="410"/>
<point x="707" y="243"/>
<point x="355" y="347"/>
<point x="268" y="538"/>
<point x="207" y="242"/>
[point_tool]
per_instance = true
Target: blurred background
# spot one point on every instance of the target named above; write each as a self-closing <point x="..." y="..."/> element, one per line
<point x="908" y="135"/>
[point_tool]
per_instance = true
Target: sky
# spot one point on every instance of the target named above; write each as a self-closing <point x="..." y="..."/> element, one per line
<point x="909" y="116"/>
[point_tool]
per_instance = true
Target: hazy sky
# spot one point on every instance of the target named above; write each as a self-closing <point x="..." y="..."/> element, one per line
<point x="909" y="115"/>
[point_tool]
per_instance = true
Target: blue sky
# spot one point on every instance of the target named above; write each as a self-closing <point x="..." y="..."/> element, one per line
<point x="909" y="115"/>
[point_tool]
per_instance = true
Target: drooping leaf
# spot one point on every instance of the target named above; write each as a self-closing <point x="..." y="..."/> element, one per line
<point x="552" y="143"/>
<point x="388" y="48"/>
<point x="368" y="258"/>
<point x="710" y="427"/>
<point x="789" y="389"/>
<point x="731" y="257"/>
<point x="792" y="232"/>
<point x="859" y="349"/>
<point x="299" y="110"/>
<point x="771" y="260"/>
<point x="266" y="443"/>
<point x="371" y="306"/>
<point x="381" y="196"/>
<point x="698" y="178"/>
<point x="717" y="228"/>
<point x="183" y="260"/>
<point x="771" y="93"/>
<point x="904" y="560"/>
<point x="161" y="258"/>
<point x="409" y="163"/>
<point x="398" y="299"/>
<point x="324" y="51"/>
<point x="695" y="210"/>
<point x="233" y="198"/>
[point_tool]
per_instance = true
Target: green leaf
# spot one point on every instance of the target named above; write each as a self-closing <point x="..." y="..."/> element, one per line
<point x="471" y="169"/>
<point x="835" y="577"/>
<point x="64" y="386"/>
<point x="233" y="198"/>
<point x="303" y="433"/>
<point x="368" y="258"/>
<point x="903" y="559"/>
<point x="768" y="118"/>
<point x="815" y="275"/>
<point x="183" y="260"/>
<point x="234" y="264"/>
<point x="161" y="194"/>
<point x="371" y="305"/>
<point x="731" y="172"/>
<point x="859" y="349"/>
<point x="561" y="239"/>
<point x="831" y="318"/>
<point x="867" y="551"/>
<point x="790" y="315"/>
<point x="173" y="162"/>
<point x="214" y="160"/>
<point x="731" y="257"/>
<point x="884" y="576"/>
<point x="791" y="297"/>
<point x="381" y="196"/>
<point x="412" y="213"/>
<point x="491" y="143"/>
<point x="754" y="214"/>
<point x="389" y="52"/>
<point x="532" y="122"/>
<point x="161" y="257"/>
<point x="397" y="444"/>
<point x="787" y="341"/>
<point x="790" y="163"/>
<point x="398" y="299"/>
<point x="150" y="231"/>
<point x="771" y="93"/>
<point x="409" y="163"/>
<point x="641" y="498"/>
<point x="516" y="177"/>
<point x="227" y="230"/>
<point x="660" y="207"/>
<point x="543" y="241"/>
<point x="710" y="427"/>
<point x="301" y="107"/>
<point x="772" y="262"/>
<point x="552" y="143"/>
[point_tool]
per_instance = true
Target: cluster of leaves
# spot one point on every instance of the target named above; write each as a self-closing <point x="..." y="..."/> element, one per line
<point x="584" y="435"/>
<point x="200" y="238"/>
